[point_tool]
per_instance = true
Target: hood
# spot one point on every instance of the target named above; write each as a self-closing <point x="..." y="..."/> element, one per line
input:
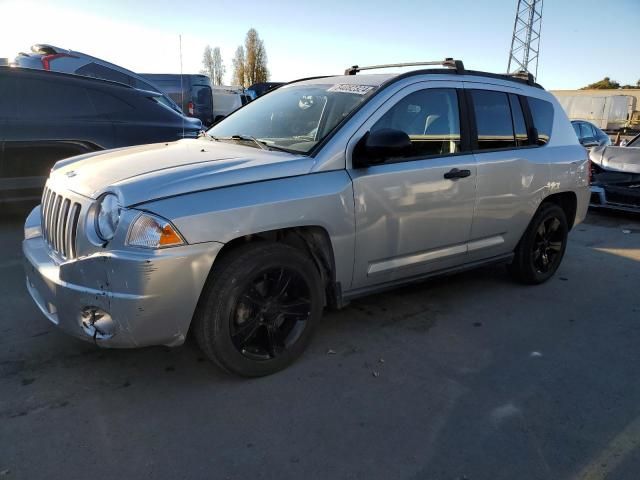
<point x="148" y="172"/>
<point x="617" y="159"/>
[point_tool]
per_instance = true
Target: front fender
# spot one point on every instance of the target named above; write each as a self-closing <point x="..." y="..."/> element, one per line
<point x="323" y="199"/>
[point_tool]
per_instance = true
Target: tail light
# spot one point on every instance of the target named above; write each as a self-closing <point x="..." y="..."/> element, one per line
<point x="47" y="59"/>
<point x="190" y="108"/>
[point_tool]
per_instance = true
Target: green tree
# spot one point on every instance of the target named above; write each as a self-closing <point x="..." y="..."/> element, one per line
<point x="604" y="84"/>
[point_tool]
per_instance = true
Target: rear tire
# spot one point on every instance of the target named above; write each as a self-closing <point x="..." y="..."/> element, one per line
<point x="542" y="247"/>
<point x="259" y="308"/>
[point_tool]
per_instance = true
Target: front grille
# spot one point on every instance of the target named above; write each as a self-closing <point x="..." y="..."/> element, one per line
<point x="60" y="223"/>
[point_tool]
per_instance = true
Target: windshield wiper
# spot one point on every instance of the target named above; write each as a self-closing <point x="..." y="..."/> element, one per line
<point x="280" y="149"/>
<point x="249" y="138"/>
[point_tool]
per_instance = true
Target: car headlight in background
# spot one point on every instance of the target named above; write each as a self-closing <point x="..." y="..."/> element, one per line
<point x="108" y="216"/>
<point x="150" y="231"/>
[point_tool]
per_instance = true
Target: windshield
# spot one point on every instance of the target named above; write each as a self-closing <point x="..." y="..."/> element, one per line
<point x="634" y="142"/>
<point x="294" y="118"/>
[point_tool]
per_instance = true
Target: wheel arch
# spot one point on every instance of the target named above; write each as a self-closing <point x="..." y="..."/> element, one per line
<point x="313" y="240"/>
<point x="568" y="201"/>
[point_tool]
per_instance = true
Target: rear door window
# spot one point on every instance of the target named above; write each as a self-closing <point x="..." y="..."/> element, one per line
<point x="576" y="128"/>
<point x="494" y="124"/>
<point x="542" y="113"/>
<point x="53" y="99"/>
<point x="586" y="131"/>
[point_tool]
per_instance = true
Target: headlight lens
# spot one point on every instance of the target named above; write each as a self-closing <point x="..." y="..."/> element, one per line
<point x="151" y="231"/>
<point x="108" y="217"/>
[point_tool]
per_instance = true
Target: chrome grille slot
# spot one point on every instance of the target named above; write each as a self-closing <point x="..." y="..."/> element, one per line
<point x="60" y="217"/>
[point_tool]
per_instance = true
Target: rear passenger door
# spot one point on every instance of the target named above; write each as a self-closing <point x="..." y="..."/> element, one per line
<point x="512" y="173"/>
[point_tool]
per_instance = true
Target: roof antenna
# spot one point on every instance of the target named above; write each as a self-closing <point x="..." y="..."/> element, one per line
<point x="181" y="86"/>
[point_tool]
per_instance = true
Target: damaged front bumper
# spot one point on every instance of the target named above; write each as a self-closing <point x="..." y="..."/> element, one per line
<point x="615" y="173"/>
<point x="616" y="191"/>
<point x="119" y="298"/>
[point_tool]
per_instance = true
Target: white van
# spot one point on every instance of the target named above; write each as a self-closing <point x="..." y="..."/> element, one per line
<point x="227" y="99"/>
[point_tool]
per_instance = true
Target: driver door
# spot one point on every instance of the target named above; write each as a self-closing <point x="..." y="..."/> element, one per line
<point x="412" y="216"/>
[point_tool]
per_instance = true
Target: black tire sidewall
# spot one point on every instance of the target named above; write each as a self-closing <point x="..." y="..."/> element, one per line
<point x="531" y="275"/>
<point x="228" y="285"/>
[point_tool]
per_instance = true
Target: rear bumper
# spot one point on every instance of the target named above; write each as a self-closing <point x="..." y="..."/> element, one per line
<point x="120" y="299"/>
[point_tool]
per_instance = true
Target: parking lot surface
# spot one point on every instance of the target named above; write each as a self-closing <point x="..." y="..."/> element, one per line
<point x="466" y="377"/>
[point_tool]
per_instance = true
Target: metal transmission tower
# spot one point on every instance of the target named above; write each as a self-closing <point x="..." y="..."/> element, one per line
<point x="525" y="43"/>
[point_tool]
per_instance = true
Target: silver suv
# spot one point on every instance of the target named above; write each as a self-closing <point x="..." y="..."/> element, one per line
<point x="321" y="191"/>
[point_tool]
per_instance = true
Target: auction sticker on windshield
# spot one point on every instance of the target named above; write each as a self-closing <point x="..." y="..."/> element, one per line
<point x="347" y="88"/>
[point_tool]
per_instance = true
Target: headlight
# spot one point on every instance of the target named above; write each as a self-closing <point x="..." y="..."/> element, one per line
<point x="150" y="231"/>
<point x="108" y="217"/>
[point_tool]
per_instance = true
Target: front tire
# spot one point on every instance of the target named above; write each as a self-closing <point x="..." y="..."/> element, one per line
<point x="259" y="308"/>
<point x="542" y="247"/>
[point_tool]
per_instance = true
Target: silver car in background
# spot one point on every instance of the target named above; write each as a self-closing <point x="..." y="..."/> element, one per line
<point x="616" y="176"/>
<point x="322" y="191"/>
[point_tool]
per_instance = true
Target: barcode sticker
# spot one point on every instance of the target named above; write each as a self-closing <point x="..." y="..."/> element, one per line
<point x="350" y="88"/>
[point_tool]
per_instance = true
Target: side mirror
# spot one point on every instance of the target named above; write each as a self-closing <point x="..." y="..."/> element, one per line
<point x="589" y="142"/>
<point x="218" y="118"/>
<point x="376" y="147"/>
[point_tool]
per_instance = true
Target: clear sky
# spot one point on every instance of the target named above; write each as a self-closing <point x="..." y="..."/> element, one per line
<point x="582" y="40"/>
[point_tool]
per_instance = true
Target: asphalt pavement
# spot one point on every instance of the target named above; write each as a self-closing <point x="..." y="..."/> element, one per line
<point x="465" y="377"/>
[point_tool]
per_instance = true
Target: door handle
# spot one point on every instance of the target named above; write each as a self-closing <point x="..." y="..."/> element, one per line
<point x="454" y="173"/>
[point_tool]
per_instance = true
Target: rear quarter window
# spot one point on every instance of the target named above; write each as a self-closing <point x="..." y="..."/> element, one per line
<point x="542" y="114"/>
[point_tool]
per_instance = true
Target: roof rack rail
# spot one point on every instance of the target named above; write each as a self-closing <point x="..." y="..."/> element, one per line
<point x="447" y="62"/>
<point x="523" y="75"/>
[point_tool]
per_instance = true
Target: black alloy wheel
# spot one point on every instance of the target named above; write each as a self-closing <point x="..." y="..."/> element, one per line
<point x="271" y="314"/>
<point x="547" y="245"/>
<point x="259" y="308"/>
<point x="542" y="246"/>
